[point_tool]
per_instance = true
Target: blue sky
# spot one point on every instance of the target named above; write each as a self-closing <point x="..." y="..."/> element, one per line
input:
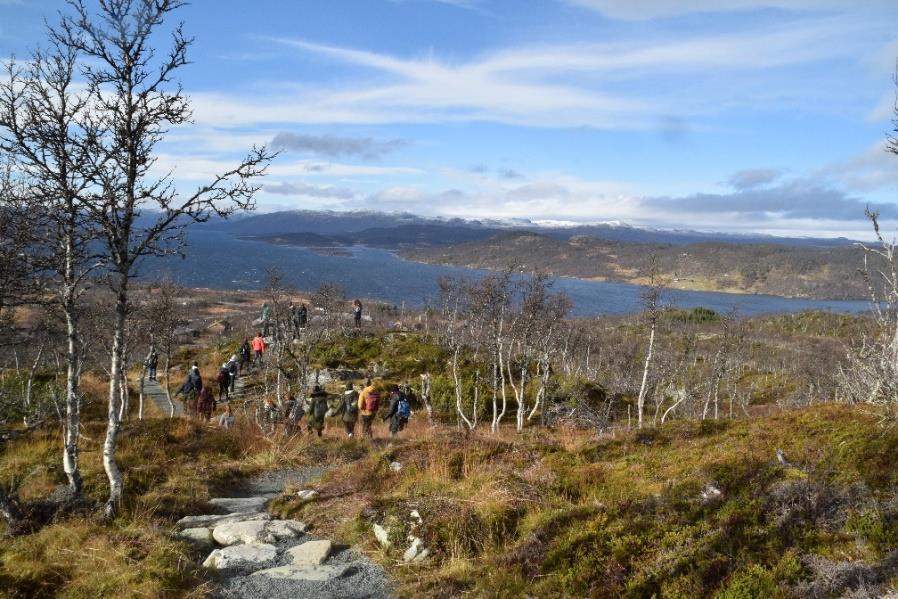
<point x="730" y="115"/>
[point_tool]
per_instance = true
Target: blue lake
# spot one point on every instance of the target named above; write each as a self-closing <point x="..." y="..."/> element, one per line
<point x="218" y="260"/>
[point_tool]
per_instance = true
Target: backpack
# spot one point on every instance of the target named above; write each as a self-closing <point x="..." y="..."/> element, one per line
<point x="223" y="375"/>
<point x="404" y="409"/>
<point x="320" y="408"/>
<point x="372" y="401"/>
<point x="352" y="404"/>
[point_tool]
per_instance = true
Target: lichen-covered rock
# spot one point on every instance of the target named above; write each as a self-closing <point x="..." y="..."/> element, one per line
<point x="416" y="547"/>
<point x="285" y="529"/>
<point x="255" y="554"/>
<point x="253" y="531"/>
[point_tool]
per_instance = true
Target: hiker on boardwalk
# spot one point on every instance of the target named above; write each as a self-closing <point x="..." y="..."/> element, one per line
<point x="357" y="313"/>
<point x="318" y="409"/>
<point x="258" y="349"/>
<point x="152" y="362"/>
<point x="245" y="353"/>
<point x="233" y="366"/>
<point x="369" y="402"/>
<point x="348" y="408"/>
<point x="266" y="318"/>
<point x="227" y="418"/>
<point x="224" y="382"/>
<point x="302" y="316"/>
<point x="398" y="412"/>
<point x="205" y="404"/>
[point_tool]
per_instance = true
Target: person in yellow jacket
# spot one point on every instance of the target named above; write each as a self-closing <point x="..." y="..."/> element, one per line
<point x="369" y="402"/>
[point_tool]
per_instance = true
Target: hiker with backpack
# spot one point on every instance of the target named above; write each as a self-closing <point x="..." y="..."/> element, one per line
<point x="369" y="402"/>
<point x="348" y="409"/>
<point x="318" y="409"/>
<point x="233" y="366"/>
<point x="258" y="346"/>
<point x="399" y="411"/>
<point x="191" y="389"/>
<point x="224" y="382"/>
<point x="152" y="362"/>
<point x="245" y="353"/>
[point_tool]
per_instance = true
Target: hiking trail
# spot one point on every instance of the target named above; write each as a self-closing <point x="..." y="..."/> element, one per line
<point x="254" y="555"/>
<point x="153" y="391"/>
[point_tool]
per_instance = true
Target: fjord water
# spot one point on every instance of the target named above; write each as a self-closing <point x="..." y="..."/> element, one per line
<point x="218" y="260"/>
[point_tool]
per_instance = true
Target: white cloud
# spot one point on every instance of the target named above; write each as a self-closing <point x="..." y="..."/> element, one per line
<point x="872" y="170"/>
<point x="598" y="85"/>
<point x="312" y="191"/>
<point x="653" y="9"/>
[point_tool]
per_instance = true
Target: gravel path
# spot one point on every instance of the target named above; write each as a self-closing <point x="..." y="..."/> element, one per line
<point x="362" y="577"/>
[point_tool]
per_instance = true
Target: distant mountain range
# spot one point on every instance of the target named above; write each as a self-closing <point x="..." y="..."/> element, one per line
<point x="379" y="229"/>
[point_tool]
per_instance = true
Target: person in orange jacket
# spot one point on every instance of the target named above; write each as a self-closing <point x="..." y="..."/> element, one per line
<point x="258" y="345"/>
<point x="369" y="402"/>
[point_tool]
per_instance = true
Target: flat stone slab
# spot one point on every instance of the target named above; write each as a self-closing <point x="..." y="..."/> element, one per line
<point x="285" y="529"/>
<point x="311" y="553"/>
<point x="233" y="533"/>
<point x="235" y="505"/>
<point x="201" y="537"/>
<point x="255" y="554"/>
<point x="311" y="573"/>
<point x="211" y="521"/>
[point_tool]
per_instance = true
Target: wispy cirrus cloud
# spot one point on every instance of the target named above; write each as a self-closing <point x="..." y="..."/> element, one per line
<point x="600" y="85"/>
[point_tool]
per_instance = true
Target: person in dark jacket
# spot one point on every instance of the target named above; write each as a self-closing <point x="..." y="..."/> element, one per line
<point x="398" y="411"/>
<point x="205" y="404"/>
<point x="302" y="315"/>
<point x="245" y="352"/>
<point x="224" y="382"/>
<point x="348" y="409"/>
<point x="318" y="409"/>
<point x="152" y="363"/>
<point x="233" y="366"/>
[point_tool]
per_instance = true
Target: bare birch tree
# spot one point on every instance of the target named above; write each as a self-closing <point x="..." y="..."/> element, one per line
<point x="135" y="94"/>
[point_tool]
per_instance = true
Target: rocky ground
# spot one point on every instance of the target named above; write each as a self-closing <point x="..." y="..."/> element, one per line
<point x="255" y="555"/>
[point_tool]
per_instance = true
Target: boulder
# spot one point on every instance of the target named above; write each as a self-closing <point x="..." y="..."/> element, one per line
<point x="306" y="494"/>
<point x="255" y="554"/>
<point x="253" y="531"/>
<point x="382" y="535"/>
<point x="201" y="537"/>
<point x="237" y="505"/>
<point x="395" y="466"/>
<point x="311" y="553"/>
<point x="285" y="529"/>
<point x="312" y="573"/>
<point x="211" y="521"/>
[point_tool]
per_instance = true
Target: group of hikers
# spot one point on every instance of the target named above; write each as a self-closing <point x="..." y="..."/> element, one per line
<point x="350" y="407"/>
<point x="298" y="317"/>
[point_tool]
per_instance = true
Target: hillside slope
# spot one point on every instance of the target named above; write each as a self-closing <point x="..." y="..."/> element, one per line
<point x="808" y="272"/>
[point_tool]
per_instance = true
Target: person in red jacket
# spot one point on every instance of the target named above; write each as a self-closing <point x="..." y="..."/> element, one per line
<point x="258" y="349"/>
